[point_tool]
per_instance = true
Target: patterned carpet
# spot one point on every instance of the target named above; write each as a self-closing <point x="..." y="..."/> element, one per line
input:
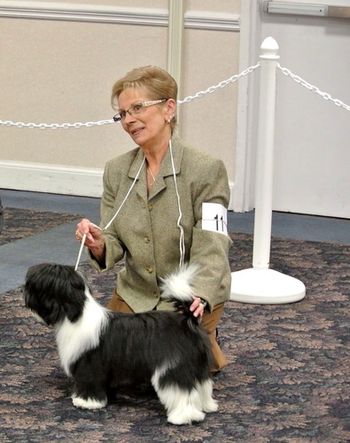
<point x="21" y="223"/>
<point x="288" y="381"/>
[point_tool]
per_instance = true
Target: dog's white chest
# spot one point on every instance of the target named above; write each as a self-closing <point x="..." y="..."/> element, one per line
<point x="73" y="339"/>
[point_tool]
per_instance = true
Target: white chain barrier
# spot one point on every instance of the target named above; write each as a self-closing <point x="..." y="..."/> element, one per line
<point x="222" y="84"/>
<point x="287" y="72"/>
<point x="76" y="125"/>
<point x="312" y="88"/>
<point x="79" y="125"/>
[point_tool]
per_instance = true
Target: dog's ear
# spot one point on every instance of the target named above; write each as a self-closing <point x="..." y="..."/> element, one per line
<point x="73" y="304"/>
<point x="74" y="296"/>
<point x="52" y="312"/>
<point x="72" y="311"/>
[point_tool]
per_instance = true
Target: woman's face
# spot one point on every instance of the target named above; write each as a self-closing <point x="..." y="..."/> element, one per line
<point x="150" y="125"/>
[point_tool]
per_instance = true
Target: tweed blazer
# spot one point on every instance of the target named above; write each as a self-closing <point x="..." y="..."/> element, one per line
<point x="146" y="234"/>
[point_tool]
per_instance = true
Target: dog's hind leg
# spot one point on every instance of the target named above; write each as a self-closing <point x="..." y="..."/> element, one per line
<point x="205" y="391"/>
<point x="181" y="405"/>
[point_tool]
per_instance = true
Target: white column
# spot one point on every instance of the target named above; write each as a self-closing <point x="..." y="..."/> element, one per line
<point x="264" y="158"/>
<point x="260" y="284"/>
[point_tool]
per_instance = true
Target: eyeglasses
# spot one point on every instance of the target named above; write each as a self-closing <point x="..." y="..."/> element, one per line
<point x="137" y="108"/>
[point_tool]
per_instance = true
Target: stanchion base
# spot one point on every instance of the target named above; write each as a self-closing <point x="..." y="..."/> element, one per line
<point x="265" y="286"/>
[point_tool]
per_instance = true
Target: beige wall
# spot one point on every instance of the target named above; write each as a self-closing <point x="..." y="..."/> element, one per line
<point x="62" y="71"/>
<point x="58" y="71"/>
<point x="210" y="122"/>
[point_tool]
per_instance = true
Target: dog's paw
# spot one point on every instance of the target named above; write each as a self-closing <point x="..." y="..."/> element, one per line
<point x="211" y="406"/>
<point x="88" y="403"/>
<point x="185" y="416"/>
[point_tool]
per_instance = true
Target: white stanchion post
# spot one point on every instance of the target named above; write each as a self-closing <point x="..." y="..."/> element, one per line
<point x="260" y="284"/>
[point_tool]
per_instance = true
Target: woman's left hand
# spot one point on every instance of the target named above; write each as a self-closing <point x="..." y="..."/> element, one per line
<point x="197" y="307"/>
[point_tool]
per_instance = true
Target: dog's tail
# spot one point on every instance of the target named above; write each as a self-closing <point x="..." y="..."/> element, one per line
<point x="177" y="288"/>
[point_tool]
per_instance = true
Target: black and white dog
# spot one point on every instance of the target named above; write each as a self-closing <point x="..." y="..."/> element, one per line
<point x="102" y="349"/>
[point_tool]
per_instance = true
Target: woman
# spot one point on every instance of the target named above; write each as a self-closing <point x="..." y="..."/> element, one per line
<point x="151" y="208"/>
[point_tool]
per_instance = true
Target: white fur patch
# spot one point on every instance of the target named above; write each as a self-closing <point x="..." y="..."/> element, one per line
<point x="178" y="284"/>
<point x="73" y="339"/>
<point x="205" y="391"/>
<point x="89" y="403"/>
<point x="184" y="407"/>
<point x="159" y="372"/>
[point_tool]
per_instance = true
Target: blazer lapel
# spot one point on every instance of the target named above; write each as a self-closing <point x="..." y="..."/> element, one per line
<point x="166" y="169"/>
<point x="140" y="186"/>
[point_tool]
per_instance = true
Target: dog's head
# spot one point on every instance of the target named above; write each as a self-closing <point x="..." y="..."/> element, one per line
<point x="54" y="292"/>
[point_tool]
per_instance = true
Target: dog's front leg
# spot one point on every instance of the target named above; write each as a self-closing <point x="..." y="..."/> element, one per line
<point x="89" y="390"/>
<point x="89" y="397"/>
<point x="88" y="403"/>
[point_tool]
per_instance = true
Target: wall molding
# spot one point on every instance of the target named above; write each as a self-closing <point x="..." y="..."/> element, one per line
<point x="55" y="179"/>
<point x="60" y="11"/>
<point x="212" y="21"/>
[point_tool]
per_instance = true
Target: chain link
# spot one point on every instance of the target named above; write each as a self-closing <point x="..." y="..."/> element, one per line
<point x="312" y="88"/>
<point x="76" y="125"/>
<point x="222" y="84"/>
<point x="79" y="125"/>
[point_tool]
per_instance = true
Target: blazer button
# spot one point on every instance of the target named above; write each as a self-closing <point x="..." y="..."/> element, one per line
<point x="147" y="240"/>
<point x="149" y="269"/>
<point x="150" y="206"/>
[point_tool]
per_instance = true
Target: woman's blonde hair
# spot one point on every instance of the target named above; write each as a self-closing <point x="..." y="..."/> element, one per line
<point x="158" y="82"/>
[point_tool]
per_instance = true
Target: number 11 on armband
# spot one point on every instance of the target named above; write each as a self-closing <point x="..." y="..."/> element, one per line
<point x="214" y="218"/>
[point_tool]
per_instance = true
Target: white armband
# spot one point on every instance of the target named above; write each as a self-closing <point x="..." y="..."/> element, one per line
<point x="214" y="218"/>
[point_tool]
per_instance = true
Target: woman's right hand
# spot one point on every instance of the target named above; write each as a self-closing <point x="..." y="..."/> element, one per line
<point x="94" y="238"/>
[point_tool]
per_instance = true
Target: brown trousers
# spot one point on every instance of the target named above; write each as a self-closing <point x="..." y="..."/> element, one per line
<point x="209" y="323"/>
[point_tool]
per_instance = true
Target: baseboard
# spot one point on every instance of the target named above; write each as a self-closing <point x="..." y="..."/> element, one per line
<point x="56" y="179"/>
